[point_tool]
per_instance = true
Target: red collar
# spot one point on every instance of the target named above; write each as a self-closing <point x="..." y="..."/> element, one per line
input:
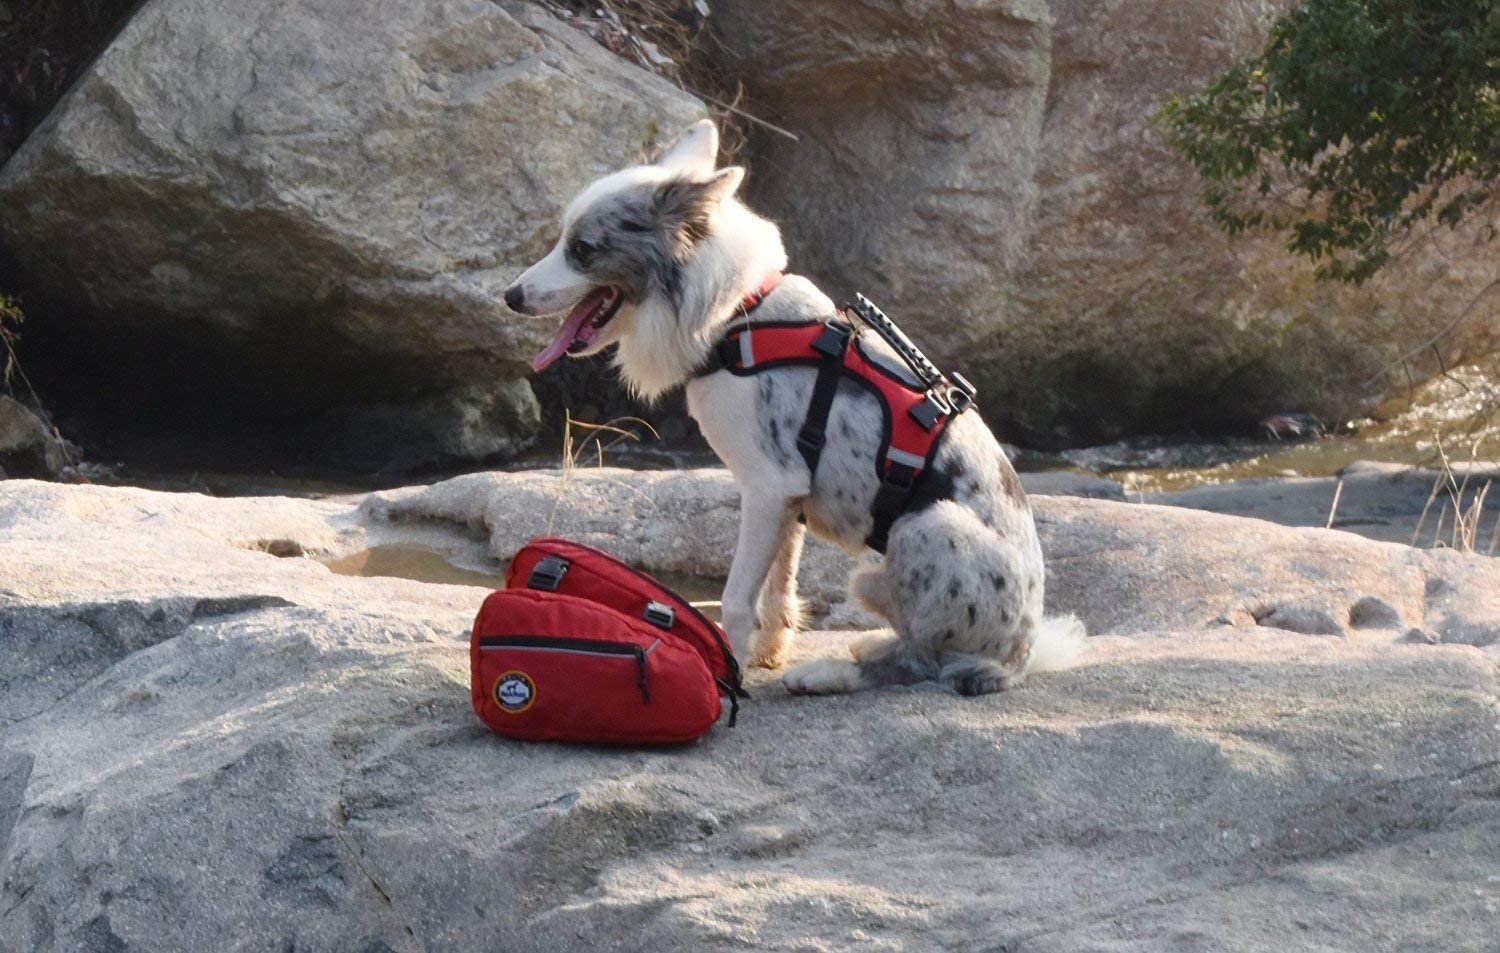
<point x="752" y="300"/>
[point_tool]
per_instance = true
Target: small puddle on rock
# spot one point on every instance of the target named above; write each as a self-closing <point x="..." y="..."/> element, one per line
<point x="421" y="564"/>
<point x="414" y="562"/>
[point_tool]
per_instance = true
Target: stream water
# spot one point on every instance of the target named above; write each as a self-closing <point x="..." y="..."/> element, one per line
<point x="427" y="564"/>
<point x="1455" y="415"/>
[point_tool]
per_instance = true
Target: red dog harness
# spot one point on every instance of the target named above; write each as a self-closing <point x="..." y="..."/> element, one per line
<point x="915" y="418"/>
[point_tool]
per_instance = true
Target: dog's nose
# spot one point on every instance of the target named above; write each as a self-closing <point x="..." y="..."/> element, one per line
<point x="515" y="298"/>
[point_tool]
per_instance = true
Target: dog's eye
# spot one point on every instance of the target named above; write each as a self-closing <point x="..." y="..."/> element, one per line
<point x="581" y="251"/>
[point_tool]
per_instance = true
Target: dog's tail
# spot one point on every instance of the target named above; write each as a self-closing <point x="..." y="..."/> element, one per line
<point x="1058" y="642"/>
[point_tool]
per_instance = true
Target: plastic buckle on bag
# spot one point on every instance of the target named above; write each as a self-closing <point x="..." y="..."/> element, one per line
<point x="660" y="615"/>
<point x="548" y="574"/>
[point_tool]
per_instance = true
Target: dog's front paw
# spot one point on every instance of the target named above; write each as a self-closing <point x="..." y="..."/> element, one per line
<point x="824" y="676"/>
<point x="768" y="649"/>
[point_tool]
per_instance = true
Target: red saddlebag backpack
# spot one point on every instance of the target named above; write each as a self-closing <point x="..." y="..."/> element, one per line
<point x="581" y="647"/>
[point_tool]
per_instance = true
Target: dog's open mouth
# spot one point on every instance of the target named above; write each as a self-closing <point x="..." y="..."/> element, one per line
<point x="582" y="325"/>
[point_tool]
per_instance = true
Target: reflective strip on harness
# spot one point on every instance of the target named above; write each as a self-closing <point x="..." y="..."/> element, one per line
<point x="910" y="459"/>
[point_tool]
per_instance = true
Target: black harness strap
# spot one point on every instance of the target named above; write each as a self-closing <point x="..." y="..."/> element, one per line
<point x="900" y="494"/>
<point x="909" y="481"/>
<point x="814" y="433"/>
<point x="891" y="500"/>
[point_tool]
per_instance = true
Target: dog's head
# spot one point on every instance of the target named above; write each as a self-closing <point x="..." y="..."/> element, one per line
<point x="628" y="240"/>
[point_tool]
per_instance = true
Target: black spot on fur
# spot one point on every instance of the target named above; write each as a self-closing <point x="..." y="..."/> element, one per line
<point x="772" y="437"/>
<point x="1009" y="482"/>
<point x="949" y="635"/>
<point x="846" y="431"/>
<point x="952" y="545"/>
<point x="953" y="589"/>
<point x="684" y="209"/>
<point x="972" y="614"/>
<point x="1005" y="616"/>
<point x="998" y="581"/>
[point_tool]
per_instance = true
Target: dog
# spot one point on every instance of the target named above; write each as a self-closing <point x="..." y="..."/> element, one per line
<point x="655" y="261"/>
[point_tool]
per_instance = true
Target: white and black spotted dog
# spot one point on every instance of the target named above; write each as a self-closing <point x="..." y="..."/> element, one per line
<point x="656" y="260"/>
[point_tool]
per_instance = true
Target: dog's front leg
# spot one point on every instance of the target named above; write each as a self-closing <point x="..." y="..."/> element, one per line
<point x="780" y="610"/>
<point x="765" y="522"/>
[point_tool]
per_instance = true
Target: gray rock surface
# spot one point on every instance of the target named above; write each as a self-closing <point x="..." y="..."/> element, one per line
<point x="1124" y="568"/>
<point x="988" y="173"/>
<point x="1382" y="501"/>
<point x="28" y="447"/>
<point x="204" y="746"/>
<point x="314" y="205"/>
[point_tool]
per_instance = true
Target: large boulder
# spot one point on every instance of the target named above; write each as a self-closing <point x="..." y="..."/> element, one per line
<point x="305" y="212"/>
<point x="989" y="173"/>
<point x="28" y="447"/>
<point x="228" y="747"/>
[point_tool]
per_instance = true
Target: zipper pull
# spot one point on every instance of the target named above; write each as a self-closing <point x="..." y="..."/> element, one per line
<point x="640" y="681"/>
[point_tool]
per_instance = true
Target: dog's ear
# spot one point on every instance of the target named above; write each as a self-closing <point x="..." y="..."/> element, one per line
<point x="685" y="206"/>
<point x="696" y="150"/>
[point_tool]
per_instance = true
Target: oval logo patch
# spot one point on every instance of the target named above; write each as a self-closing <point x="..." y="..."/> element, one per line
<point x="515" y="692"/>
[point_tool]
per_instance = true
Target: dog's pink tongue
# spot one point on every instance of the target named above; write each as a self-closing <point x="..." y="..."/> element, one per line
<point x="568" y="333"/>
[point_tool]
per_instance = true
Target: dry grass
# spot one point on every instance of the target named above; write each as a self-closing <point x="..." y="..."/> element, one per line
<point x="11" y="319"/>
<point x="603" y="437"/>
<point x="668" y="37"/>
<point x="1333" y="509"/>
<point x="10" y="333"/>
<point x="1465" y="508"/>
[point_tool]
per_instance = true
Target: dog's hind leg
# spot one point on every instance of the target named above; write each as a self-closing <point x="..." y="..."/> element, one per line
<point x="780" y="611"/>
<point x="871" y="587"/>
<point x="967" y="595"/>
<point x="879" y="659"/>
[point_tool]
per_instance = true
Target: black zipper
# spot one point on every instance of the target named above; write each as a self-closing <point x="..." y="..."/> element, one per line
<point x="550" y="643"/>
<point x="729" y="659"/>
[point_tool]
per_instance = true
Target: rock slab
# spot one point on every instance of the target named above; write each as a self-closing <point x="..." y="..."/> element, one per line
<point x="205" y="746"/>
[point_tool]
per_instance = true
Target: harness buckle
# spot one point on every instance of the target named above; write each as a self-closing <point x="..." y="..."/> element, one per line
<point x="930" y="410"/>
<point x="834" y="340"/>
<point x="548" y="574"/>
<point x="811" y="442"/>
